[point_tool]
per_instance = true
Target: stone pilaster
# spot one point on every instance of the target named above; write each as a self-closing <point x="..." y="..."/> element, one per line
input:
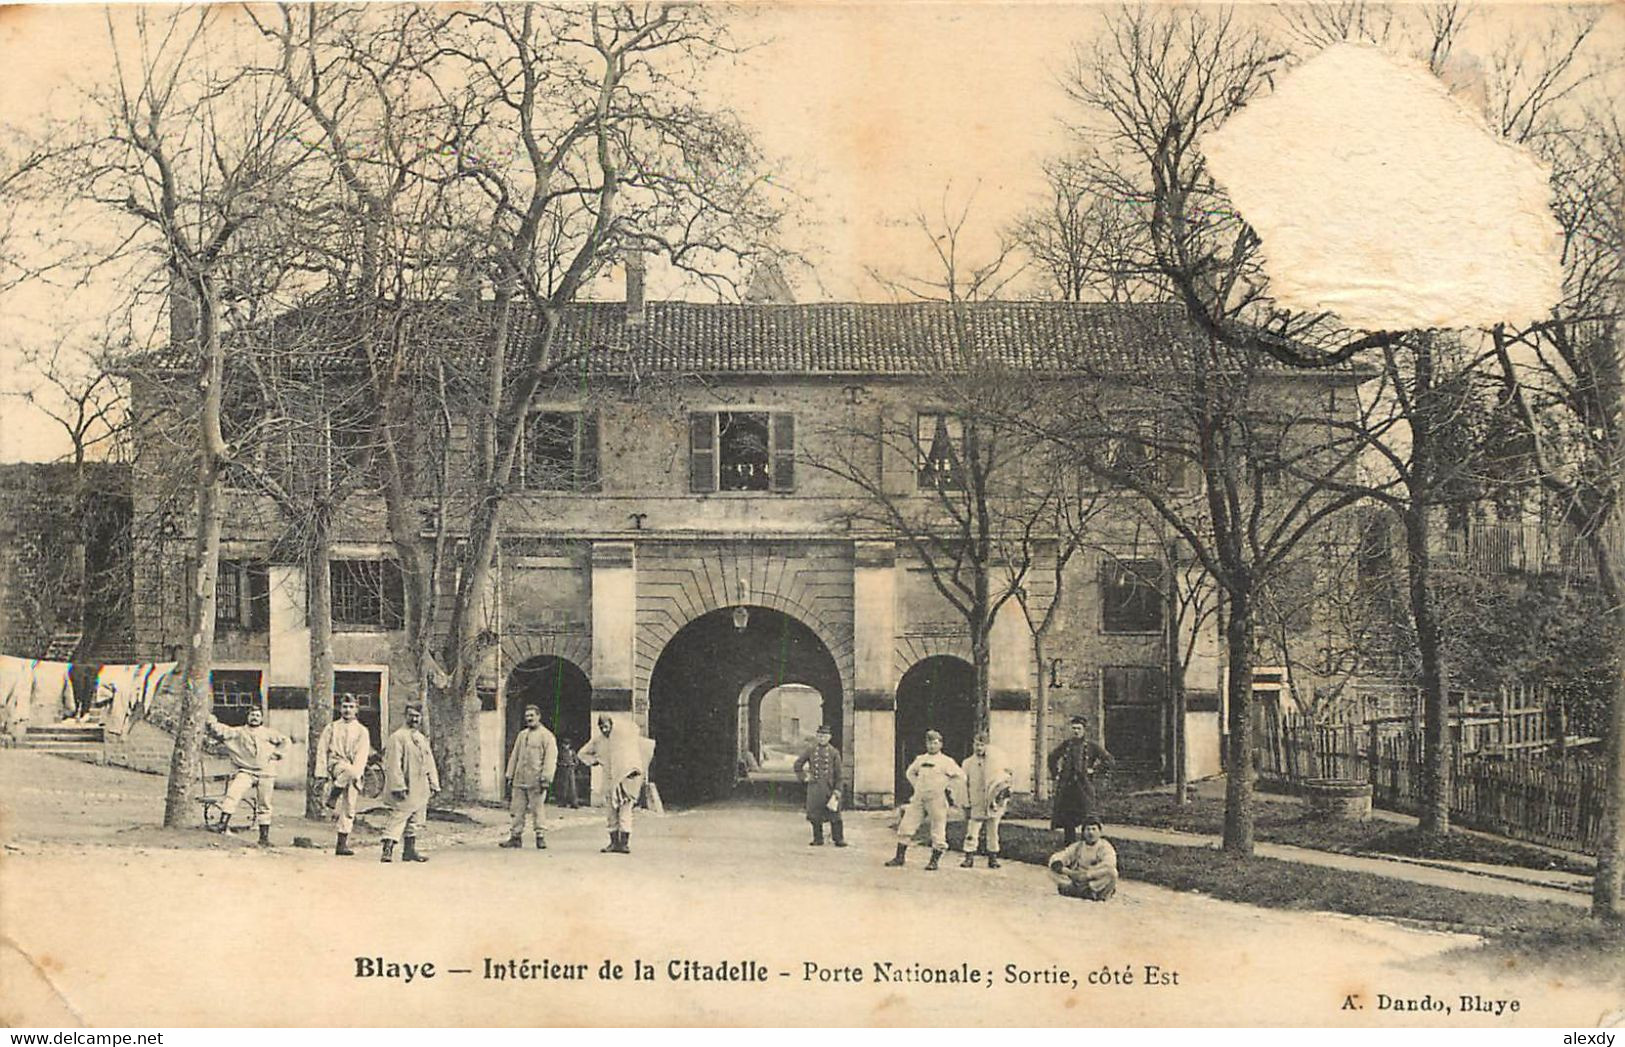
<point x="874" y="699"/>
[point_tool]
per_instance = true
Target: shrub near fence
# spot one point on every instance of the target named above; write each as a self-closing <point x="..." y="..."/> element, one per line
<point x="1552" y="802"/>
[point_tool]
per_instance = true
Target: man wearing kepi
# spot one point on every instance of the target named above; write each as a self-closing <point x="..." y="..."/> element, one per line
<point x="341" y="761"/>
<point x="410" y="779"/>
<point x="820" y="767"/>
<point x="253" y="751"/>
<point x="531" y="764"/>
<point x="617" y="749"/>
<point x="932" y="775"/>
<point x="1088" y="868"/>
<point x="988" y="778"/>
<point x="1073" y="765"/>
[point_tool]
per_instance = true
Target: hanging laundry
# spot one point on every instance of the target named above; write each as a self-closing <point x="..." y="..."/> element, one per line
<point x="16" y="689"/>
<point x="33" y="690"/>
<point x="118" y="688"/>
<point x="53" y="691"/>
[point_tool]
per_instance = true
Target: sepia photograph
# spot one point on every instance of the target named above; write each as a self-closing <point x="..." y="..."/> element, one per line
<point x="812" y="515"/>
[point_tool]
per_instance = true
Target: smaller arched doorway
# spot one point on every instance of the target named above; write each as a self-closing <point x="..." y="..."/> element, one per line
<point x="559" y="688"/>
<point x="937" y="693"/>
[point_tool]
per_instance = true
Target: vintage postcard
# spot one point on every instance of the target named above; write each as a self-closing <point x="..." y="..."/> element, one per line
<point x="878" y="514"/>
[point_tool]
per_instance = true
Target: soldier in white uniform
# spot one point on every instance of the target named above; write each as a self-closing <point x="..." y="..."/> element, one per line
<point x="341" y="761"/>
<point x="254" y="751"/>
<point x="933" y="775"/>
<point x="410" y="779"/>
<point x="988" y="779"/>
<point x="531" y="764"/>
<point x="619" y="751"/>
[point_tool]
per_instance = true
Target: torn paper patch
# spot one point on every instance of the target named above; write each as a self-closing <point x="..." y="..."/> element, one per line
<point x="1380" y="198"/>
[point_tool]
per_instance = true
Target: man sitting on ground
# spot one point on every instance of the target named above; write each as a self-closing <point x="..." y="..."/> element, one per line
<point x="1088" y="868"/>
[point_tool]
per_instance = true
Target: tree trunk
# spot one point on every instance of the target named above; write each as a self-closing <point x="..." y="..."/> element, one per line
<point x="1040" y="719"/>
<point x="1435" y="812"/>
<point x="981" y="657"/>
<point x="319" y="709"/>
<point x="185" y="761"/>
<point x="1608" y="888"/>
<point x="1238" y="798"/>
<point x="1177" y="698"/>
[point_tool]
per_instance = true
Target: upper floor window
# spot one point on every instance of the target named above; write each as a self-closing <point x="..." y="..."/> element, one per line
<point x="1143" y="451"/>
<point x="350" y="453"/>
<point x="368" y="593"/>
<point x="940" y="439"/>
<point x="242" y="595"/>
<point x="741" y="451"/>
<point x="560" y="451"/>
<point x="1131" y="596"/>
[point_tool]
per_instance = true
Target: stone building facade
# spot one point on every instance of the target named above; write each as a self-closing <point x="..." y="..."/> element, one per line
<point x="672" y="552"/>
<point x="65" y="561"/>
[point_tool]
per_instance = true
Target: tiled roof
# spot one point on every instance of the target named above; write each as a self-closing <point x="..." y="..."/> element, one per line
<point x="868" y="339"/>
<point x="871" y="339"/>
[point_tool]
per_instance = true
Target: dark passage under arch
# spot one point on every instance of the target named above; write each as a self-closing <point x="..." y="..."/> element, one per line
<point x="695" y="695"/>
<point x="935" y="694"/>
<point x="559" y="688"/>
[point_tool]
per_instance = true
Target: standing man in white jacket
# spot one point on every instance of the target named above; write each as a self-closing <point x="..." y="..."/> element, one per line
<point x="618" y="750"/>
<point x="988" y="779"/>
<point x="254" y="751"/>
<point x="410" y="779"/>
<point x="531" y="764"/>
<point x="933" y="775"/>
<point x="341" y="761"/>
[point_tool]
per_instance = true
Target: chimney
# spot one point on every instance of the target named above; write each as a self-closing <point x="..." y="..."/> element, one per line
<point x="634" y="287"/>
<point x="182" y="313"/>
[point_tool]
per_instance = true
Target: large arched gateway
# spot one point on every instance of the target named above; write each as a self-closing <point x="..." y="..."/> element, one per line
<point x="706" y="693"/>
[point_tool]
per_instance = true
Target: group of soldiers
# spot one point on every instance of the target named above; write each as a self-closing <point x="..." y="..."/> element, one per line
<point x="411" y="777"/>
<point x="982" y="786"/>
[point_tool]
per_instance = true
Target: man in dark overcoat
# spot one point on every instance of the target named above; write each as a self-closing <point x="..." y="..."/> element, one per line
<point x="820" y="767"/>
<point x="1072" y="765"/>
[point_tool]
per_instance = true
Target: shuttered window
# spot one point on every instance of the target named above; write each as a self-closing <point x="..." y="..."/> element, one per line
<point x="741" y="451"/>
<point x="560" y="451"/>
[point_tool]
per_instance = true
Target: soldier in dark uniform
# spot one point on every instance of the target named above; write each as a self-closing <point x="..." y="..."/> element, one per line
<point x="1072" y="765"/>
<point x="820" y="768"/>
<point x="564" y="786"/>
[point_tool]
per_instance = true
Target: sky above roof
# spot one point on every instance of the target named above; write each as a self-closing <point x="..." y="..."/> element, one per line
<point x="872" y="113"/>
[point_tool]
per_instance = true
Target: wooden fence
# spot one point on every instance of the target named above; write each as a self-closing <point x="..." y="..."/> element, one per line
<point x="1540" y="798"/>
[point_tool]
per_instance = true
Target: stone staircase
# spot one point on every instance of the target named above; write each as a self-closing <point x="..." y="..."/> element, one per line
<point x="63" y="646"/>
<point x="86" y="741"/>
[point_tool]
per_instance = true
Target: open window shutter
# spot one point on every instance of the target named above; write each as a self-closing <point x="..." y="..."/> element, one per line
<point x="702" y="452"/>
<point x="784" y="451"/>
<point x="259" y="596"/>
<point x="394" y="595"/>
<point x="587" y="462"/>
<point x="898" y="458"/>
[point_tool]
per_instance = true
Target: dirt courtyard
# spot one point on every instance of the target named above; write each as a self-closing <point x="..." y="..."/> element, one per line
<point x="722" y="915"/>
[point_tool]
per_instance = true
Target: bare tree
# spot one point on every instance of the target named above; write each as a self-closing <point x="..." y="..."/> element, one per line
<point x="190" y="160"/>
<point x="1233" y="420"/>
<point x="1568" y="380"/>
<point x="1086" y="245"/>
<point x="614" y="152"/>
<point x="953" y="482"/>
